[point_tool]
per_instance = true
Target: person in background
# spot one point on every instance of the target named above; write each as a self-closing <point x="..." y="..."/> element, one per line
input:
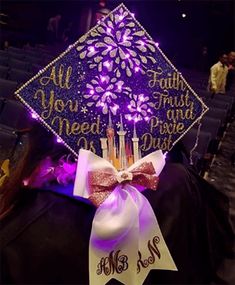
<point x="53" y="28"/>
<point x="231" y="70"/>
<point x="67" y="33"/>
<point x="218" y="75"/>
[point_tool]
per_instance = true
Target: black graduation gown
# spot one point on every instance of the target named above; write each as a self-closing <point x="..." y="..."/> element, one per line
<point x="45" y="239"/>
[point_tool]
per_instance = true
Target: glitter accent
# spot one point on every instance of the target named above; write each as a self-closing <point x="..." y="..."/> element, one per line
<point x="102" y="183"/>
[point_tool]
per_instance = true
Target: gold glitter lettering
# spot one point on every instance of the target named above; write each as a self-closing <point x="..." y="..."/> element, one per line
<point x="46" y="105"/>
<point x="173" y="81"/>
<point x="154" y="77"/>
<point x="148" y="142"/>
<point x="57" y="105"/>
<point x="180" y="114"/>
<point x="64" y="126"/>
<point x="95" y="127"/>
<point x="60" y="79"/>
<point x="166" y="101"/>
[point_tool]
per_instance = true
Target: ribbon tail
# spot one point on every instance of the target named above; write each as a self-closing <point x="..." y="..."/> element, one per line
<point x="153" y="252"/>
<point x="114" y="239"/>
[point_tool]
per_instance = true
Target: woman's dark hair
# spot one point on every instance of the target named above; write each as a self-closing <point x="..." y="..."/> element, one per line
<point x="30" y="148"/>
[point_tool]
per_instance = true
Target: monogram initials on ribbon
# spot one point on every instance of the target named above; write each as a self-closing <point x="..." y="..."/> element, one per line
<point x="126" y="241"/>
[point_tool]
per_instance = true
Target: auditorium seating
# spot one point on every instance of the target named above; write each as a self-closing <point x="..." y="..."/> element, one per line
<point x="3" y="72"/>
<point x="197" y="147"/>
<point x="8" y="140"/>
<point x="13" y="115"/>
<point x="3" y="60"/>
<point x="19" y="76"/>
<point x="7" y="88"/>
<point x="19" y="64"/>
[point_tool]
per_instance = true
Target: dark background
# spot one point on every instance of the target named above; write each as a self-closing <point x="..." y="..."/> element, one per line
<point x="207" y="23"/>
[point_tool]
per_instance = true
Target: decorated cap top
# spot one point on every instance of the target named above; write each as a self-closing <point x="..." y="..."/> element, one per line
<point x="114" y="90"/>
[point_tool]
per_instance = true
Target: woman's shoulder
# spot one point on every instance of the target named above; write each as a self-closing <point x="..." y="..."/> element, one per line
<point x="40" y="208"/>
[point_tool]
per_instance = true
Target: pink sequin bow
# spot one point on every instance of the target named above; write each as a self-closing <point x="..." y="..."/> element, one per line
<point x="103" y="182"/>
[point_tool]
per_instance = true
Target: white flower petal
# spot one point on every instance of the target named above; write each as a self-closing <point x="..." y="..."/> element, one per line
<point x="82" y="39"/>
<point x="142" y="48"/>
<point x="89" y="42"/>
<point x="83" y="54"/>
<point x="79" y="48"/>
<point x="90" y="54"/>
<point x="92" y="66"/>
<point x="99" y="89"/>
<point x="111" y="66"/>
<point x="118" y="74"/>
<point x="94" y="33"/>
<point x="132" y="52"/>
<point x="114" y="111"/>
<point x="105" y="52"/>
<point x="131" y="64"/>
<point x="98" y="59"/>
<point x="101" y="30"/>
<point x="128" y="72"/>
<point x="121" y="53"/>
<point x="110" y="87"/>
<point x="109" y="41"/>
<point x="105" y="109"/>
<point x="125" y="44"/>
<point x="118" y="36"/>
<point x="88" y="85"/>
<point x="139" y="33"/>
<point x="110" y="24"/>
<point x="131" y="24"/>
<point x="116" y="18"/>
<point x="152" y="48"/>
<point x="136" y="61"/>
<point x="143" y="59"/>
<point x="89" y="104"/>
<point x="100" y="44"/>
<point x="152" y="59"/>
<point x="113" y="52"/>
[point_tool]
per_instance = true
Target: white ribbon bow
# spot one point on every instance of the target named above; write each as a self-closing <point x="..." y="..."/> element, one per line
<point x="126" y="241"/>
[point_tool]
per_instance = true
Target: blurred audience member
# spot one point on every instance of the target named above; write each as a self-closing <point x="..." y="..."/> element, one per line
<point x="6" y="45"/>
<point x="53" y="28"/>
<point x="218" y="75"/>
<point x="102" y="11"/>
<point x="67" y="33"/>
<point x="231" y="70"/>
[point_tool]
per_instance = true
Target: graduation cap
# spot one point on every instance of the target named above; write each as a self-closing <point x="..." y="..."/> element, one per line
<point x="116" y="94"/>
<point x="114" y="83"/>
